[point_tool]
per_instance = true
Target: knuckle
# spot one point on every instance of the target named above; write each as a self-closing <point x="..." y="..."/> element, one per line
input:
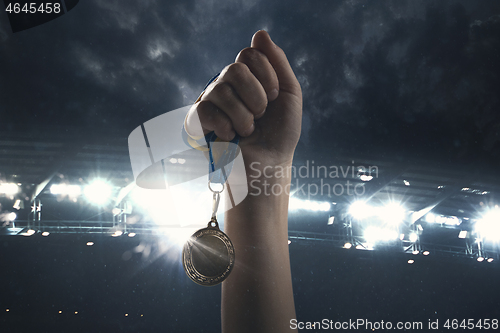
<point x="246" y="123"/>
<point x="237" y="70"/>
<point x="261" y="105"/>
<point x="223" y="90"/>
<point x="205" y="109"/>
<point x="224" y="125"/>
<point x="249" y="55"/>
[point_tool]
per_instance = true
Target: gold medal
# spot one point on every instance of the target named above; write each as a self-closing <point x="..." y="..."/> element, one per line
<point x="208" y="255"/>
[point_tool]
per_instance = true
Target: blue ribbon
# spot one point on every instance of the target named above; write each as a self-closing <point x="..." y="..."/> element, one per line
<point x="220" y="169"/>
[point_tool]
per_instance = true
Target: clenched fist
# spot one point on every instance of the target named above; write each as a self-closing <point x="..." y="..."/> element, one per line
<point x="257" y="97"/>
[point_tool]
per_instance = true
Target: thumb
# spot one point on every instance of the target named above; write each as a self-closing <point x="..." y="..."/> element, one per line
<point x="287" y="80"/>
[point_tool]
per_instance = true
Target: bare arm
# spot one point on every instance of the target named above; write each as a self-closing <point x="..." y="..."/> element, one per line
<point x="258" y="296"/>
<point x="259" y="98"/>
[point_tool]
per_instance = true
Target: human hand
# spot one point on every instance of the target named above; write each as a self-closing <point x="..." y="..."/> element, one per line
<point x="258" y="97"/>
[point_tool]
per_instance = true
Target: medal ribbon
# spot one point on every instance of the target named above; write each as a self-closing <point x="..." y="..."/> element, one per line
<point x="221" y="160"/>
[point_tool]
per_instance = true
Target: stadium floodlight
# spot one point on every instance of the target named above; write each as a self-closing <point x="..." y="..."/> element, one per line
<point x="392" y="213"/>
<point x="324" y="206"/>
<point x="66" y="189"/>
<point x="347" y="245"/>
<point x="413" y="237"/>
<point x="430" y="218"/>
<point x="360" y="209"/>
<point x="377" y="235"/>
<point x="462" y="234"/>
<point x="9" y="188"/>
<point x="489" y="226"/>
<point x="179" y="236"/>
<point x="365" y="178"/>
<point x="98" y="192"/>
<point x="19" y="204"/>
<point x="448" y="220"/>
<point x="480" y="259"/>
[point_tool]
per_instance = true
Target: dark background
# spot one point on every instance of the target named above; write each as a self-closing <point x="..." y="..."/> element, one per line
<point x="394" y="80"/>
<point x="45" y="275"/>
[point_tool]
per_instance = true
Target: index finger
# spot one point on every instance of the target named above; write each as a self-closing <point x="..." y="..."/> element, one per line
<point x="287" y="80"/>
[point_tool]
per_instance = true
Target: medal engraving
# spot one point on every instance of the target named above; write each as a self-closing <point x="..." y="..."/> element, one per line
<point x="208" y="256"/>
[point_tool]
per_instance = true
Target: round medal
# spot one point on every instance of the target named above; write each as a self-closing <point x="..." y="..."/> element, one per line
<point x="208" y="255"/>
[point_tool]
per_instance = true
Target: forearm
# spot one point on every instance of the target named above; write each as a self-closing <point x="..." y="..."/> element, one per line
<point x="258" y="296"/>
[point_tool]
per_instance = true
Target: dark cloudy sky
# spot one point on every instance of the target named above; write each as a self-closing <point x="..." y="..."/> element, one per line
<point x="388" y="76"/>
<point x="409" y="78"/>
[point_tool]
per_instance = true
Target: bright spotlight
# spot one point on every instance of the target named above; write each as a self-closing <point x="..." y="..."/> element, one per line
<point x="324" y="206"/>
<point x="31" y="232"/>
<point x="411" y="261"/>
<point x="426" y="253"/>
<point x="131" y="234"/>
<point x="375" y="235"/>
<point x="415" y="252"/>
<point x="489" y="260"/>
<point x="65" y="189"/>
<point x="18" y="204"/>
<point x="448" y="220"/>
<point x="98" y="192"/>
<point x="392" y="213"/>
<point x="9" y="188"/>
<point x="360" y="210"/>
<point x="413" y="237"/>
<point x="365" y="178"/>
<point x="489" y="226"/>
<point x="11" y="216"/>
<point x="45" y="233"/>
<point x="180" y="236"/>
<point x="430" y="218"/>
<point x="117" y="233"/>
<point x="480" y="259"/>
<point x="90" y="243"/>
<point x="347" y="245"/>
<point x="462" y="234"/>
